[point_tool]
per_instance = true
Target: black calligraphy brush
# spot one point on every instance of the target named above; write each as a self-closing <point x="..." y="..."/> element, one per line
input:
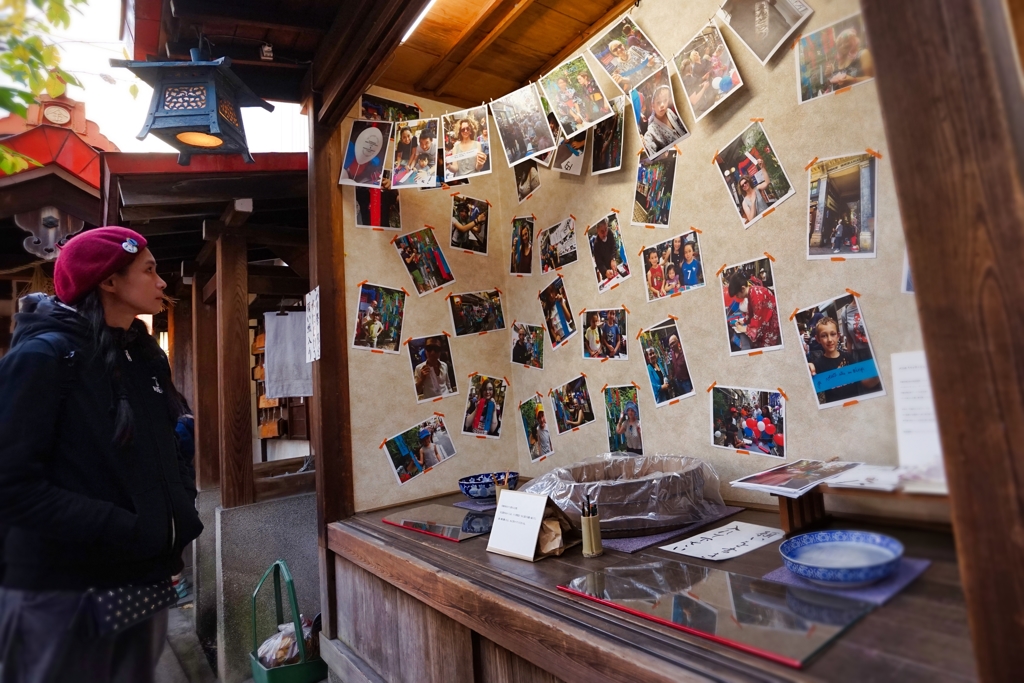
<point x="586" y="510"/>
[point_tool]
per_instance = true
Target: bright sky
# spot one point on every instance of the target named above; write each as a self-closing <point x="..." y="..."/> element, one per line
<point x="90" y="43"/>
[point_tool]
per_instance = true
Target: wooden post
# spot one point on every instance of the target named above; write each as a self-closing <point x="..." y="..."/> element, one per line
<point x="952" y="100"/>
<point x="233" y="398"/>
<point x="329" y="420"/>
<point x="205" y="404"/>
<point x="179" y="333"/>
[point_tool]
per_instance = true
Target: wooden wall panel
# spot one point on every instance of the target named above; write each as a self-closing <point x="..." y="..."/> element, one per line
<point x="495" y="664"/>
<point x="179" y="332"/>
<point x="205" y="406"/>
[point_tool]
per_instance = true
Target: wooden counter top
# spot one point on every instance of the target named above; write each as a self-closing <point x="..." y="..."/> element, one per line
<point x="920" y="635"/>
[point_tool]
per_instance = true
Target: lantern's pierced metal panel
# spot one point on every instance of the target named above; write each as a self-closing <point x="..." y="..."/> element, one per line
<point x="184" y="97"/>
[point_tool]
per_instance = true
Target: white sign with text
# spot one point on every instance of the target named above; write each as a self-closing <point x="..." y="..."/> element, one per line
<point x="517" y="524"/>
<point x="723" y="543"/>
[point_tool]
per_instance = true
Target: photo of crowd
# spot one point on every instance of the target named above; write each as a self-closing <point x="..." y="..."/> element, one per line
<point x="424" y="260"/>
<point x="626" y="54"/>
<point x="557" y="312"/>
<point x="467" y="147"/>
<point x="546" y="158"/>
<point x="655" y="113"/>
<point x="379" y="316"/>
<point x="751" y="309"/>
<point x="570" y="153"/>
<point x="522" y="125"/>
<point x="840" y="359"/>
<point x="527" y="179"/>
<point x="604" y="334"/>
<point x="469" y="224"/>
<point x="433" y="372"/>
<point x="753" y="174"/>
<point x="476" y="312"/>
<point x="666" y="363"/>
<point x="834" y="58"/>
<point x="419" y="448"/>
<point x="652" y="197"/>
<point x="622" y="410"/>
<point x="575" y="96"/>
<point x="764" y="25"/>
<point x="608" y="253"/>
<point x="795" y="476"/>
<point x="841" y="207"/>
<point x="415" y="158"/>
<point x="484" y="406"/>
<point x="535" y="425"/>
<point x="707" y="71"/>
<point x="607" y="156"/>
<point x="572" y="405"/>
<point x="557" y="245"/>
<point x="673" y="266"/>
<point x="365" y="154"/>
<point x="382" y="109"/>
<point x="379" y="208"/>
<point x="528" y="345"/>
<point x="751" y="420"/>
<point x="521" y="253"/>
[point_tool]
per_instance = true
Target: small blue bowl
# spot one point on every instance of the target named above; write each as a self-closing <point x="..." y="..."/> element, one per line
<point x="482" y="485"/>
<point x="841" y="559"/>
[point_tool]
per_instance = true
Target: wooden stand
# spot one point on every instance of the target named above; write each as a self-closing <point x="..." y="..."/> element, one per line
<point x="807" y="512"/>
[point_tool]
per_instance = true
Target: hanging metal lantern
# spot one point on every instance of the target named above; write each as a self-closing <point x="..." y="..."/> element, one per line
<point x="196" y="105"/>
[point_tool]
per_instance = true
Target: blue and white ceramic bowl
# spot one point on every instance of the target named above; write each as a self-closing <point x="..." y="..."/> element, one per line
<point x="482" y="485"/>
<point x="841" y="559"/>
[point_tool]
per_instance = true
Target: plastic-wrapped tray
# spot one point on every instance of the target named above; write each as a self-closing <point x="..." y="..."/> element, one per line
<point x="636" y="495"/>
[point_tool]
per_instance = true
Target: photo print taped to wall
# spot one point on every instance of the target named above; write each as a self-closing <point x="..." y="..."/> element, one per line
<point x="415" y="157"/>
<point x="607" y="154"/>
<point x="608" y="253"/>
<point x="764" y="26"/>
<point x="665" y="358"/>
<point x="528" y="345"/>
<point x="833" y="58"/>
<point x="557" y="245"/>
<point x="673" y="266"/>
<point x="605" y="336"/>
<point x="380" y="313"/>
<point x="476" y="312"/>
<point x="575" y="96"/>
<point x="842" y="202"/>
<point x="423" y="258"/>
<point x="485" y="406"/>
<point x="753" y="174"/>
<point x="521" y="251"/>
<point x="469" y="224"/>
<point x="380" y="209"/>
<point x="571" y="153"/>
<point x="433" y="370"/>
<point x="522" y="125"/>
<point x="707" y="71"/>
<point x="365" y="152"/>
<point x="748" y="420"/>
<point x="535" y="427"/>
<point x="527" y="179"/>
<point x="572" y="405"/>
<point x="375" y="108"/>
<point x="626" y="54"/>
<point x="840" y="359"/>
<point x="652" y="195"/>
<point x="751" y="307"/>
<point x="419" y="448"/>
<point x="622" y="414"/>
<point x="557" y="311"/>
<point x="654" y="111"/>
<point x="466" y="144"/>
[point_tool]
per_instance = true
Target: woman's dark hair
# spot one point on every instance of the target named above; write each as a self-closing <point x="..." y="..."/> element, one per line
<point x="737" y="282"/>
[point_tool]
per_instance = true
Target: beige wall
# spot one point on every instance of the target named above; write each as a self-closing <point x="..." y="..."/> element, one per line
<point x="382" y="395"/>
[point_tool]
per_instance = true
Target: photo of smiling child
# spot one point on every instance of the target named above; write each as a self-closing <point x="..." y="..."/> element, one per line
<point x="604" y="336"/>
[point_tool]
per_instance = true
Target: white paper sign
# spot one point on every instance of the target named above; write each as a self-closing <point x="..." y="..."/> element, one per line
<point x="723" y="543"/>
<point x="916" y="428"/>
<point x="313" y="325"/>
<point x="517" y="524"/>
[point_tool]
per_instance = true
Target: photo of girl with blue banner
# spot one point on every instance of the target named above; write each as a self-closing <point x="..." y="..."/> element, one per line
<point x="840" y="359"/>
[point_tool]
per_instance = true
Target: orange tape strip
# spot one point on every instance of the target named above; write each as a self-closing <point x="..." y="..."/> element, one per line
<point x="583" y="374"/>
<point x="641" y="250"/>
<point x="417" y="106"/>
<point x="575" y="429"/>
<point x="856" y="294"/>
<point x="714" y="159"/>
<point x="635" y="385"/>
<point x="582" y="311"/>
<point x="838" y="258"/>
<point x="783" y="393"/>
<point x="437" y="399"/>
<point x="720" y="270"/>
<point x="850" y="403"/>
<point x="448" y="297"/>
<point x="542" y="458"/>
<point x="673" y="401"/>
<point x="625" y="309"/>
<point x="796" y="41"/>
<point x="755" y="353"/>
<point x="811" y="163"/>
<point x="603" y="388"/>
<point x="376" y="351"/>
<point x="842" y="90"/>
<point x="382" y="443"/>
<point x="484" y="332"/>
<point x="615" y="210"/>
<point x="528" y="197"/>
<point x="768" y="212"/>
<point x="572" y="217"/>
<point x="393" y="239"/>
<point x="507" y="383"/>
<point x="362" y="283"/>
<point x="674" y="295"/>
<point x="519" y="275"/>
<point x="640" y="152"/>
<point x="697" y="230"/>
<point x="793" y="314"/>
<point x="533" y="216"/>
<point x="770" y="256"/>
<point x="743" y="452"/>
<point x="467" y="251"/>
<point x="757" y="120"/>
<point x="382" y="230"/>
<point x="473" y="374"/>
<point x="488" y="202"/>
<point x="445" y="186"/>
<point x="406" y="342"/>
<point x="639" y="333"/>
<point x="713" y="385"/>
<point x="445" y="333"/>
<point x="613" y="286"/>
<point x="649" y="227"/>
<point x="480" y="436"/>
<point x="678" y="151"/>
<point x="604" y="360"/>
<point x="877" y="155"/>
<point x="406" y="293"/>
<point x="673" y="317"/>
<point x="498" y="290"/>
<point x="454" y="194"/>
<point x="429" y="226"/>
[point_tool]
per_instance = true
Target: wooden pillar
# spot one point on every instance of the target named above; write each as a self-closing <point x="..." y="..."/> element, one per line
<point x="179" y="334"/>
<point x="233" y="381"/>
<point x="205" y="401"/>
<point x="952" y="100"/>
<point x="331" y="438"/>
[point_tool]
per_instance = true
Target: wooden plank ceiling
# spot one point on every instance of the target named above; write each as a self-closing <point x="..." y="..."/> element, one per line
<point x="470" y="51"/>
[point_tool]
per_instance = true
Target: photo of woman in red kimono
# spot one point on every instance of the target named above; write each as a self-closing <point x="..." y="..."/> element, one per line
<point x="761" y="324"/>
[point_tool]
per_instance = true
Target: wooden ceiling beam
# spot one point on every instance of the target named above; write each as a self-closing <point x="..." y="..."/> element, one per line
<point x="266" y="235"/>
<point x="585" y="35"/>
<point x="495" y="33"/>
<point x="237" y="212"/>
<point x="199" y="12"/>
<point x="467" y="34"/>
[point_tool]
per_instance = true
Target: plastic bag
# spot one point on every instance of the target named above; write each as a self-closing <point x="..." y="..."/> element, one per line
<point x="636" y="495"/>
<point x="281" y="649"/>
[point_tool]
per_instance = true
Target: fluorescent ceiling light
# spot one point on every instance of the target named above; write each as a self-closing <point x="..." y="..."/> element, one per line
<point x="416" y="23"/>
